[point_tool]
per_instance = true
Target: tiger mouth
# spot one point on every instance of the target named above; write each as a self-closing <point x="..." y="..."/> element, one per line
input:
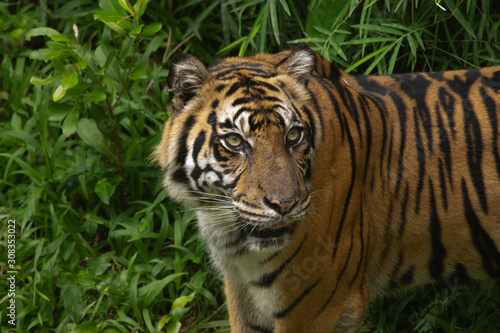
<point x="273" y="231"/>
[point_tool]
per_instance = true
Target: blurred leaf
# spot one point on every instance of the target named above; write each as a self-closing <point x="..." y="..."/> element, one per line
<point x="42" y="31"/>
<point x="59" y="93"/>
<point x="181" y="301"/>
<point x="126" y="5"/>
<point x="140" y="7"/>
<point x="104" y="190"/>
<point x="112" y="20"/>
<point x="40" y="82"/>
<point x="108" y="16"/>
<point x="69" y="80"/>
<point x="151" y="29"/>
<point x="60" y="38"/>
<point x="94" y="96"/>
<point x="136" y="31"/>
<point x="70" y="123"/>
<point x="88" y="131"/>
<point x="98" y="265"/>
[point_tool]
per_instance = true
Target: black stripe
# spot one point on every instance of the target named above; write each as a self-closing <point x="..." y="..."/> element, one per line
<point x="349" y="192"/>
<point x="419" y="87"/>
<point x="318" y="113"/>
<point x="482" y="241"/>
<point x="393" y="282"/>
<point x="215" y="104"/>
<point x="180" y="176"/>
<point x="493" y="112"/>
<point x="421" y="158"/>
<point x="362" y="243"/>
<point x="334" y="104"/>
<point x="438" y="251"/>
<point x="472" y="130"/>
<point x="447" y="101"/>
<point x="183" y="149"/>
<point x="402" y="114"/>
<point x="334" y="74"/>
<point x="368" y="130"/>
<point x="402" y="216"/>
<point x="407" y="277"/>
<point x="260" y="328"/>
<point x="289" y="308"/>
<point x="241" y="100"/>
<point x="444" y="144"/>
<point x="198" y="144"/>
<point x="268" y="279"/>
<point x="442" y="185"/>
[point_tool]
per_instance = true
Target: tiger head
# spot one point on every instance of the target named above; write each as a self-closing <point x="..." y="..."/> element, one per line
<point x="239" y="145"/>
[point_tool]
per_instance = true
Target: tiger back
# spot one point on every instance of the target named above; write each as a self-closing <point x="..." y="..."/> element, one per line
<point x="316" y="191"/>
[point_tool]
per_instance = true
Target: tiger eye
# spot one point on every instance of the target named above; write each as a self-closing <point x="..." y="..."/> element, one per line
<point x="234" y="140"/>
<point x="293" y="134"/>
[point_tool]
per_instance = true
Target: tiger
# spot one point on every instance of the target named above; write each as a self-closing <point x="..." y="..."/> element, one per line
<point x="317" y="191"/>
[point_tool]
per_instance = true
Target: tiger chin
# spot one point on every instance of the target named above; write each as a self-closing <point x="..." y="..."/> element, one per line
<point x="316" y="191"/>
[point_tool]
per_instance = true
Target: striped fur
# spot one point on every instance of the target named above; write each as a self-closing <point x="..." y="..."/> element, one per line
<point x="316" y="191"/>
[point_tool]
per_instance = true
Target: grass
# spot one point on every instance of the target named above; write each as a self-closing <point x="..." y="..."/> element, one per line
<point x="99" y="247"/>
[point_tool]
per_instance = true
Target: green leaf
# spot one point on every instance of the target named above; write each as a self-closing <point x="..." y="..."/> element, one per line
<point x="455" y="10"/>
<point x="82" y="64"/>
<point x="274" y="20"/>
<point x="28" y="139"/>
<point x="151" y="29"/>
<point x="60" y="38"/>
<point x="136" y="31"/>
<point x="104" y="190"/>
<point x="196" y="23"/>
<point x="42" y="31"/>
<point x="70" y="123"/>
<point x="58" y="111"/>
<point x="139" y="73"/>
<point x="59" y="93"/>
<point x="328" y="14"/>
<point x="98" y="265"/>
<point x="95" y="96"/>
<point x="181" y="301"/>
<point x="126" y="5"/>
<point x="40" y="82"/>
<point x="151" y="290"/>
<point x="285" y="7"/>
<point x="88" y="131"/>
<point x="108" y="16"/>
<point x="69" y="80"/>
<point x="111" y="19"/>
<point x="140" y="7"/>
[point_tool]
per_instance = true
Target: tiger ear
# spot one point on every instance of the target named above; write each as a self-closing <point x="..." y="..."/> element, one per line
<point x="300" y="63"/>
<point x="187" y="75"/>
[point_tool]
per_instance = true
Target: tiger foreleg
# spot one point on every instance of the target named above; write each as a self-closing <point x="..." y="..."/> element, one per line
<point x="244" y="317"/>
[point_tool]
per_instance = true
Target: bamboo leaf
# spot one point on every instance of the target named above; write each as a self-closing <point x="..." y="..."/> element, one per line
<point x="274" y="20"/>
<point x="460" y="17"/>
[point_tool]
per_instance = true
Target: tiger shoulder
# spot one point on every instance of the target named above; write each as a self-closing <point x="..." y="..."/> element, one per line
<point x="316" y="191"/>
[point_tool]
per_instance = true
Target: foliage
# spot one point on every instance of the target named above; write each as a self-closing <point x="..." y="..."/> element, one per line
<point x="82" y="101"/>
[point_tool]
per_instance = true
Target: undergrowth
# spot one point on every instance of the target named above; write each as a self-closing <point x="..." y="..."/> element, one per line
<point x="99" y="247"/>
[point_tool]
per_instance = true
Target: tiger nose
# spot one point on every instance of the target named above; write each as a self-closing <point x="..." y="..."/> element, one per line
<point x="282" y="206"/>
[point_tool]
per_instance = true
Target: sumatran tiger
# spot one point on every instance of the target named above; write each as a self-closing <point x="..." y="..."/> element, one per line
<point x="316" y="191"/>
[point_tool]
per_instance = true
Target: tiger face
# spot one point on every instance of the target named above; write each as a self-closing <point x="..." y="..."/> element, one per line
<point x="239" y="145"/>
